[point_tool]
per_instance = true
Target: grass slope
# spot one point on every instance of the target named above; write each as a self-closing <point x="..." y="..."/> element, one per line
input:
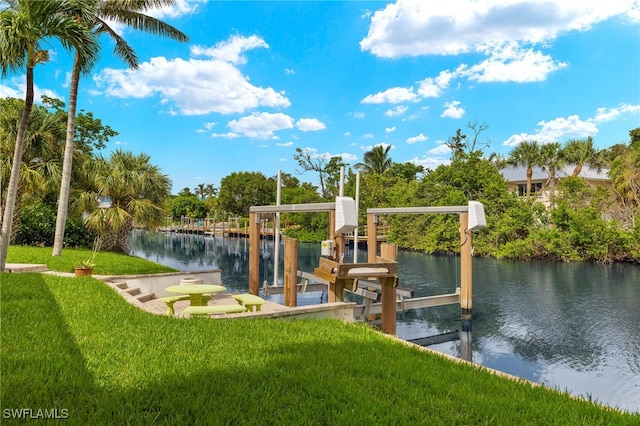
<point x="106" y="263"/>
<point x="74" y="344"/>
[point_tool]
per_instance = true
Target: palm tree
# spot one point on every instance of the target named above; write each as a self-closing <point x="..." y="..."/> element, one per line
<point x="200" y="191"/>
<point x="134" y="190"/>
<point x="581" y="152"/>
<point x="526" y="154"/>
<point x="376" y="160"/>
<point x="625" y="176"/>
<point x="127" y="12"/>
<point x="24" y="25"/>
<point x="551" y="159"/>
<point x="41" y="159"/>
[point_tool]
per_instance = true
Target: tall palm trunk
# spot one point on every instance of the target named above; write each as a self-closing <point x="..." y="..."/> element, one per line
<point x="529" y="177"/>
<point x="65" y="184"/>
<point x="12" y="189"/>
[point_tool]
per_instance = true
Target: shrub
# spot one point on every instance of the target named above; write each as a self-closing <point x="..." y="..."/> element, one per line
<point x="38" y="224"/>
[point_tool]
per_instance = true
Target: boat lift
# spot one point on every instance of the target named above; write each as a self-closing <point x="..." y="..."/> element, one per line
<point x="380" y="269"/>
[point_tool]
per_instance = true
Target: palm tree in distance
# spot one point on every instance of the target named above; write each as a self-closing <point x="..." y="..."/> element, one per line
<point x="376" y="160"/>
<point x="526" y="154"/>
<point x="581" y="152"/>
<point x="24" y="26"/>
<point x="551" y="159"/>
<point x="127" y="12"/>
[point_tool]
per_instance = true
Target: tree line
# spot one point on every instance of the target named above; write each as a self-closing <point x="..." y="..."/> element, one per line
<point x="574" y="222"/>
<point x="108" y="195"/>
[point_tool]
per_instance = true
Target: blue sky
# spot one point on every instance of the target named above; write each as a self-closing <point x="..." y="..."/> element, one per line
<point x="259" y="79"/>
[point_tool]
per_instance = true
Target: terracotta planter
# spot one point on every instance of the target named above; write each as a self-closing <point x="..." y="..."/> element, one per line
<point x="83" y="272"/>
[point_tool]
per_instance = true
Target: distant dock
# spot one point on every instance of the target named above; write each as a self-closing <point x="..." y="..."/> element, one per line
<point x="232" y="228"/>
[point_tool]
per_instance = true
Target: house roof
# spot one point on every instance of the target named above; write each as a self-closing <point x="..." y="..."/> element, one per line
<point x="519" y="173"/>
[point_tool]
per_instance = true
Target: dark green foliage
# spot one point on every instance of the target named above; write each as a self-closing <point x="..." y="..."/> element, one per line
<point x="187" y="205"/>
<point x="241" y="190"/>
<point x="37" y="228"/>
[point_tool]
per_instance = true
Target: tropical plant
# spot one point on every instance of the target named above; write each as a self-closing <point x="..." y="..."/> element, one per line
<point x="581" y="152"/>
<point x="24" y="26"/>
<point x="526" y="154"/>
<point x="376" y="160"/>
<point x="551" y="159"/>
<point x="41" y="159"/>
<point x="132" y="190"/>
<point x="98" y="15"/>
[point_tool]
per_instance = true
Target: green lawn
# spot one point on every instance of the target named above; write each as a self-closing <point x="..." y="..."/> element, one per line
<point x="74" y="344"/>
<point x="106" y="263"/>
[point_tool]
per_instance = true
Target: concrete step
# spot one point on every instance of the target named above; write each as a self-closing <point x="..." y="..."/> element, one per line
<point x="145" y="297"/>
<point x="121" y="285"/>
<point x="133" y="291"/>
<point x="25" y="267"/>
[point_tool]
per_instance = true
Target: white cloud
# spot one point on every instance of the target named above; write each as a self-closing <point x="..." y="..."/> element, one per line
<point x="416" y="27"/>
<point x="512" y="63"/>
<point x="557" y="130"/>
<point x="394" y="112"/>
<point x="347" y="133"/>
<point x="289" y="71"/>
<point x="310" y="125"/>
<point x="231" y="50"/>
<point x="429" y="162"/>
<point x="347" y="158"/>
<point x="261" y="125"/>
<point x="433" y="87"/>
<point x="196" y="86"/>
<point x="609" y="114"/>
<point x="357" y="115"/>
<point x="10" y="92"/>
<point x="370" y="147"/>
<point x="394" y="95"/>
<point x="228" y="135"/>
<point x="179" y="8"/>
<point x="442" y="148"/>
<point x="415" y="139"/>
<point x="284" y="144"/>
<point x="452" y="110"/>
<point x="16" y="87"/>
<point x="390" y="129"/>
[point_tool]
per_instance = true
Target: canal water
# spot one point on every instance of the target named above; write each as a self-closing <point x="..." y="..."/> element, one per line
<point x="570" y="326"/>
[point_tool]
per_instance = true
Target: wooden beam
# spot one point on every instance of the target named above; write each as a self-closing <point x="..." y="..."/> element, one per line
<point x="466" y="270"/>
<point x="372" y="238"/>
<point x="254" y="254"/>
<point x="389" y="252"/>
<point x="290" y="272"/>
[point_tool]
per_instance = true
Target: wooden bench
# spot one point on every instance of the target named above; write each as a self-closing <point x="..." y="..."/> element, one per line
<point x="213" y="309"/>
<point x="170" y="300"/>
<point x="250" y="301"/>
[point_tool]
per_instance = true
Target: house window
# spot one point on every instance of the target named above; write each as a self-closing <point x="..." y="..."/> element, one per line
<point x="535" y="187"/>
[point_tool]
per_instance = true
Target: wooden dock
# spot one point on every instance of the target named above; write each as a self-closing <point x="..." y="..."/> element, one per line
<point x="231" y="229"/>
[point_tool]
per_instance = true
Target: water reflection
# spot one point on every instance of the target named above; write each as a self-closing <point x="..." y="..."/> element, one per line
<point x="569" y="326"/>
